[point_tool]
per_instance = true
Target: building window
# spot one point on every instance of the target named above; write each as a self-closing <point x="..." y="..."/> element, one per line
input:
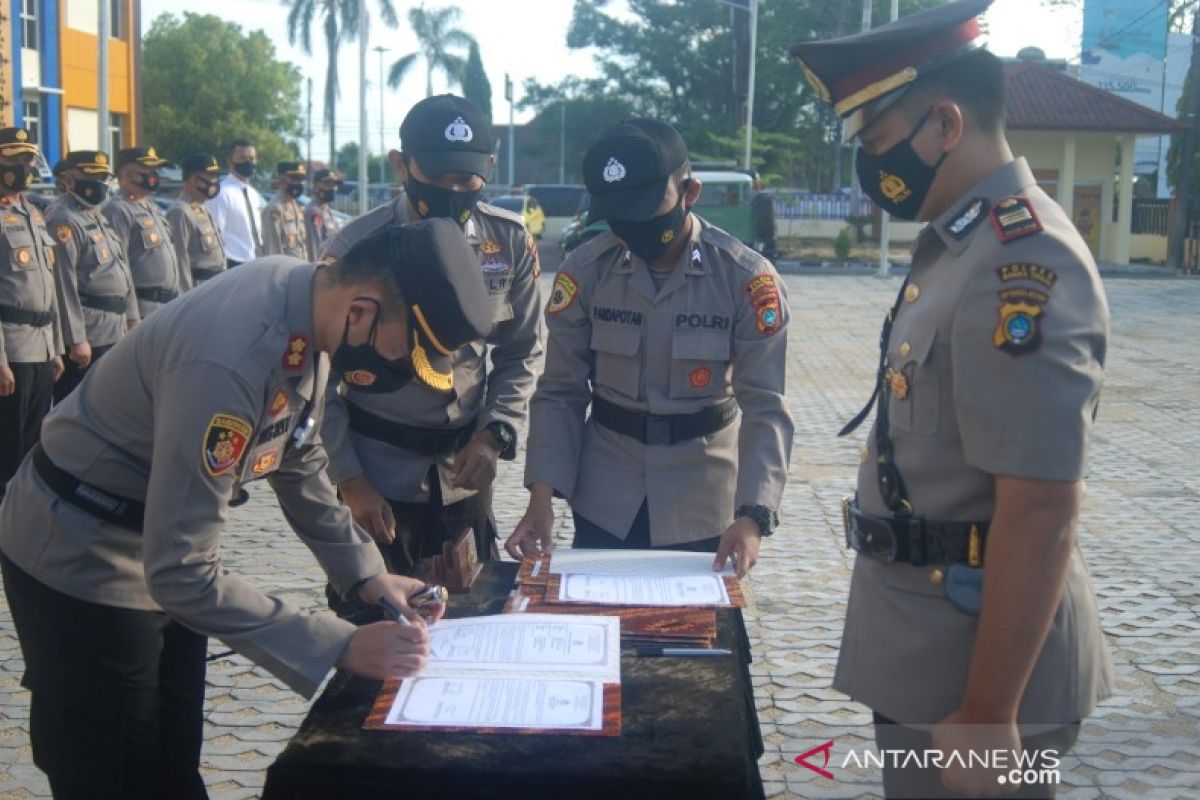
<point x="115" y="124"/>
<point x="29" y="25"/>
<point x="32" y="111"/>
<point x="116" y="19"/>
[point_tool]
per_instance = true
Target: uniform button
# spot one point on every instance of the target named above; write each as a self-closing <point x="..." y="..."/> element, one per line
<point x="905" y="349"/>
<point x="912" y="293"/>
<point x="936" y="577"/>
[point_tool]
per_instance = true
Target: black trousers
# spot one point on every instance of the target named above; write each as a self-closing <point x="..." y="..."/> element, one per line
<point x="421" y="529"/>
<point x="912" y="782"/>
<point x="73" y="374"/>
<point x="589" y="535"/>
<point x="117" y="695"/>
<point x="21" y="415"/>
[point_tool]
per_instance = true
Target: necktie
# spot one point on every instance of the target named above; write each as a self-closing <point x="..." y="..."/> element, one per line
<point x="253" y="222"/>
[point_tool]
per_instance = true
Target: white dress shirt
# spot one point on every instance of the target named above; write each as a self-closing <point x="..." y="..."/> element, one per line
<point x="236" y="223"/>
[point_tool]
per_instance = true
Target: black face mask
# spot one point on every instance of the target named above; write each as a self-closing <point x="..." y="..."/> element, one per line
<point x="146" y="180"/>
<point x="363" y="369"/>
<point x="325" y="195"/>
<point x="897" y="179"/>
<point x="91" y="192"/>
<point x="434" y="201"/>
<point x="16" y="177"/>
<point x="209" y="189"/>
<point x="650" y="239"/>
<point x="244" y="168"/>
<point x="294" y="190"/>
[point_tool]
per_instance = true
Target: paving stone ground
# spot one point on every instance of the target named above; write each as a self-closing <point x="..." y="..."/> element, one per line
<point x="1138" y="533"/>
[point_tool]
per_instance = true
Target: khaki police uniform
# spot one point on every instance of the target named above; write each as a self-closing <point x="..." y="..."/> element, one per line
<point x="199" y="247"/>
<point x="995" y="365"/>
<point x="143" y="230"/>
<point x="320" y="226"/>
<point x="509" y="263"/>
<point x="714" y="333"/>
<point x="283" y="228"/>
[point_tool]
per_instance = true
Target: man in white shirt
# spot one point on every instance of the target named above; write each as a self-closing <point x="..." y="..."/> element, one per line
<point x="236" y="209"/>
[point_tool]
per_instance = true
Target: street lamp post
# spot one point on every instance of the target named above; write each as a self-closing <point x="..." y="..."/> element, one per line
<point x="382" y="150"/>
<point x="512" y="138"/>
<point x="362" y="107"/>
<point x="750" y="6"/>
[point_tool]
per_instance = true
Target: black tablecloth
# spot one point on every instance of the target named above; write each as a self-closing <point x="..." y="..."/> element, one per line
<point x="688" y="729"/>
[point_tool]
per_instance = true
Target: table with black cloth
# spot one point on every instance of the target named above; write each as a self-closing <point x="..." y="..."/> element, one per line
<point x="688" y="729"/>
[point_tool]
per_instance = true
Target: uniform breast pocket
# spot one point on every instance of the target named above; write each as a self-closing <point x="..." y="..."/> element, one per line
<point x="618" y="361"/>
<point x="47" y="247"/>
<point x="698" y="364"/>
<point x="208" y="241"/>
<point x="151" y="238"/>
<point x="914" y="381"/>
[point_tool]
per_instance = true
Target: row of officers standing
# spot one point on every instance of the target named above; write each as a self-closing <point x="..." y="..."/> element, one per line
<point x="93" y="264"/>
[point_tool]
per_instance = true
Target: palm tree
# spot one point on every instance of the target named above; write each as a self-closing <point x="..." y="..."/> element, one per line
<point x="436" y="35"/>
<point x="339" y="20"/>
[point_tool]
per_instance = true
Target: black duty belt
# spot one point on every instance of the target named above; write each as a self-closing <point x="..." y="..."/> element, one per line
<point x="912" y="540"/>
<point x="113" y="305"/>
<point x="156" y="294"/>
<point x="23" y="316"/>
<point x="97" y="502"/>
<point x="201" y="275"/>
<point x="425" y="441"/>
<point x="663" y="428"/>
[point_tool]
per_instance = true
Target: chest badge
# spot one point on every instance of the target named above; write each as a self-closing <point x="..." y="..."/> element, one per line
<point x="278" y="403"/>
<point x="898" y="383"/>
<point x="700" y="377"/>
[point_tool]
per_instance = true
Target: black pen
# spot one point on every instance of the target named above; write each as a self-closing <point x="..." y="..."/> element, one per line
<point x="683" y="652"/>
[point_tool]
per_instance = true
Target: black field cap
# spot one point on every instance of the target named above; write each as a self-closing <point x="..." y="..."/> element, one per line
<point x="16" y="142"/>
<point x="60" y="167"/>
<point x="201" y="162"/>
<point x="627" y="170"/>
<point x="90" y="162"/>
<point x="327" y="175"/>
<point x="291" y="169"/>
<point x="144" y="156"/>
<point x="862" y="75"/>
<point x="447" y="133"/>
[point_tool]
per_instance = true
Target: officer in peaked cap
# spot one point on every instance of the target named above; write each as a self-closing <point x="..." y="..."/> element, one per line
<point x="665" y="326"/>
<point x="97" y="288"/>
<point x="971" y="616"/>
<point x="416" y="465"/>
<point x="143" y="229"/>
<point x="198" y="243"/>
<point x="31" y="343"/>
<point x="283" y="218"/>
<point x="219" y="388"/>
<point x="320" y="221"/>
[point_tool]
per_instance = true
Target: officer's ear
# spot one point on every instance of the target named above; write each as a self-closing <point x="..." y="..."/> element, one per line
<point x="947" y="119"/>
<point x="399" y="165"/>
<point x="691" y="192"/>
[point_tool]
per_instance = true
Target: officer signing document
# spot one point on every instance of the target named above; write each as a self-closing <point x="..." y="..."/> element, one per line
<point x="110" y="530"/>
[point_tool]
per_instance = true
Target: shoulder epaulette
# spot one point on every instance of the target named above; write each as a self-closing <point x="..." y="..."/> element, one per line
<point x="1013" y="217"/>
<point x="743" y="255"/>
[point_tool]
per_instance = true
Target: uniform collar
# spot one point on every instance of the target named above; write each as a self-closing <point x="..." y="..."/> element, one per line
<point x="685" y="265"/>
<point x="298" y="317"/>
<point x="968" y="212"/>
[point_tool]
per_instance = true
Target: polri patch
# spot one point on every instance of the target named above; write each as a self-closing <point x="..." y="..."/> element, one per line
<point x="297" y="348"/>
<point x="225" y="442"/>
<point x="768" y="319"/>
<point x="1027" y="272"/>
<point x="1014" y="218"/>
<point x="1018" y="331"/>
<point x="967" y="218"/>
<point x="563" y="295"/>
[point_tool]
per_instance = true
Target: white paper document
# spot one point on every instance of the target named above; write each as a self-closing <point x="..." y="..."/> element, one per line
<point x="695" y="590"/>
<point x="499" y="703"/>
<point x="633" y="563"/>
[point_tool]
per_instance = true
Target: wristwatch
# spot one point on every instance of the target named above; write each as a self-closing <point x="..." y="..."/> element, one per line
<point x="766" y="519"/>
<point x="506" y="437"/>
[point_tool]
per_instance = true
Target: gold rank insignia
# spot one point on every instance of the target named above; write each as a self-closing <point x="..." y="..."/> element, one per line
<point x="491" y="247"/>
<point x="898" y="383"/>
<point x="101" y="159"/>
<point x="297" y="347"/>
<point x="11" y="219"/>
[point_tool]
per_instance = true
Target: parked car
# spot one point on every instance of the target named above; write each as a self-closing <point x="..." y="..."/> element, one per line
<point x="727" y="201"/>
<point x="528" y="207"/>
<point x="579" y="230"/>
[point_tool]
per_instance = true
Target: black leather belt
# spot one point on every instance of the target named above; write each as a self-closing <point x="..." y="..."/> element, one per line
<point x="912" y="540"/>
<point x="156" y="294"/>
<point x="113" y="305"/>
<point x="425" y="441"/>
<point x="663" y="428"/>
<point x="24" y="316"/>
<point x="97" y="502"/>
<point x="201" y="275"/>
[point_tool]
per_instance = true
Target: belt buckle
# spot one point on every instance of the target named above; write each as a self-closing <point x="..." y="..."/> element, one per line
<point x="657" y="429"/>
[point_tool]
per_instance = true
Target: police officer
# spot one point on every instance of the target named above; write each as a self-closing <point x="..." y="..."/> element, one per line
<point x="143" y="230"/>
<point x="112" y="569"/>
<point x="666" y="326"/>
<point x="283" y="218"/>
<point x="970" y="607"/>
<point x="416" y="465"/>
<point x="198" y="244"/>
<point x="99" y="303"/>
<point x="31" y="342"/>
<point x="320" y="223"/>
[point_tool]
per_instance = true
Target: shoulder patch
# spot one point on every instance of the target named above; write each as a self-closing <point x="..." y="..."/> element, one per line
<point x="1027" y="272"/>
<point x="744" y="256"/>
<point x="564" y="293"/>
<point x="63" y="233"/>
<point x="1014" y="217"/>
<point x="967" y="218"/>
<point x="225" y="442"/>
<point x="1018" y="331"/>
<point x="489" y="210"/>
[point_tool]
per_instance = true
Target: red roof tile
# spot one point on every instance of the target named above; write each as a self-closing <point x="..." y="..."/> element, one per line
<point x="1043" y="98"/>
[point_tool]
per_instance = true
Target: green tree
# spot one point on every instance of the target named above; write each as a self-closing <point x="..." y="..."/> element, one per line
<point x="339" y="22"/>
<point x="256" y="97"/>
<point x="475" y="84"/>
<point x="346" y="162"/>
<point x="436" y="36"/>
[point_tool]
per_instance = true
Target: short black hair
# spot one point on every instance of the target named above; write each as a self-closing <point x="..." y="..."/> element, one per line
<point x="236" y="143"/>
<point x="370" y="261"/>
<point x="976" y="82"/>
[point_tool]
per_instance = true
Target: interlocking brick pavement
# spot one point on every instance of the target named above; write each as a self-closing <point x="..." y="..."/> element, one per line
<point x="1138" y="534"/>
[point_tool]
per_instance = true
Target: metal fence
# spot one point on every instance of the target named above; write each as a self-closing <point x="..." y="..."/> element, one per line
<point x="795" y="205"/>
<point x="1151" y="215"/>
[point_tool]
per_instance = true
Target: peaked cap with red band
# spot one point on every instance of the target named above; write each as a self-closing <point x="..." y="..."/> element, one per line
<point x="864" y="74"/>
